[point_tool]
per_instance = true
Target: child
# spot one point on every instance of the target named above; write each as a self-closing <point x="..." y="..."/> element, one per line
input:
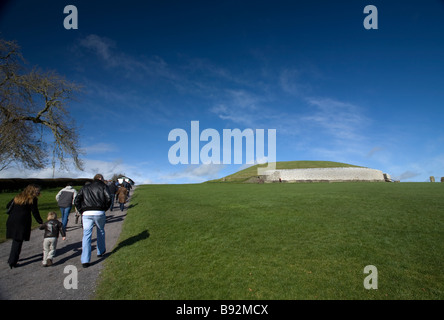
<point x="52" y="228"/>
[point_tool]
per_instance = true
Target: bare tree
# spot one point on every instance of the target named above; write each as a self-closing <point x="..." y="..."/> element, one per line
<point x="33" y="111"/>
<point x="117" y="176"/>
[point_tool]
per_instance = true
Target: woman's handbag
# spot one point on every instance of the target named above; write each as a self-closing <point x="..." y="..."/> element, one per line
<point x="11" y="206"/>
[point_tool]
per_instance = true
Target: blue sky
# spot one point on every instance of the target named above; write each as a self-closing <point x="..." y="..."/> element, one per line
<point x="332" y="89"/>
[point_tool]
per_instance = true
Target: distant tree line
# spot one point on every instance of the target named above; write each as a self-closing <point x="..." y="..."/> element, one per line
<point x="15" y="184"/>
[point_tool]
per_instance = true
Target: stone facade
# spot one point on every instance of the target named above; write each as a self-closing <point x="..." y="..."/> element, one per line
<point x="324" y="174"/>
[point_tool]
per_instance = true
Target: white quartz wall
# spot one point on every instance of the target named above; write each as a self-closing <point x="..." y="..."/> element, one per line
<point x="329" y="174"/>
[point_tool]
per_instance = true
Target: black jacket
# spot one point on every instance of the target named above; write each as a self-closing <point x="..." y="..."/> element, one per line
<point x="52" y="228"/>
<point x="112" y="187"/>
<point x="94" y="196"/>
<point x="18" y="225"/>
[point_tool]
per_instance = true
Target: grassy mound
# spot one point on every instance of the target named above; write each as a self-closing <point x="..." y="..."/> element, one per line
<point x="246" y="174"/>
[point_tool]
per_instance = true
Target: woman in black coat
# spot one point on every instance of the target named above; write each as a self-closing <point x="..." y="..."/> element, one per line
<point x="18" y="225"/>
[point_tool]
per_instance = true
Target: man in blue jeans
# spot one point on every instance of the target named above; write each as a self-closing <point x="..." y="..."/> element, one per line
<point x="65" y="200"/>
<point x="92" y="201"/>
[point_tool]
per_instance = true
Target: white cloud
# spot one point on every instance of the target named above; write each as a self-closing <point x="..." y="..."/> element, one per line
<point x="132" y="67"/>
<point x="420" y="170"/>
<point x="406" y="175"/>
<point x="101" y="47"/>
<point x="342" y="120"/>
<point x="196" y="173"/>
<point x="240" y="107"/>
<point x="100" y="148"/>
<point x="373" y="151"/>
<point x="255" y="110"/>
<point x="291" y="82"/>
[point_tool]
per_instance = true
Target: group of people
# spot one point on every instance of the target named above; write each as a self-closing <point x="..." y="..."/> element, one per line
<point x="120" y="192"/>
<point x="91" y="202"/>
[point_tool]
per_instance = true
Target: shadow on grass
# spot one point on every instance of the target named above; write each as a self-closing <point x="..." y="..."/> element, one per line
<point x="132" y="205"/>
<point x="130" y="241"/>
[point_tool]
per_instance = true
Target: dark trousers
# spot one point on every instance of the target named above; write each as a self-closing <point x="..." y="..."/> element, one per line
<point x="122" y="206"/>
<point x="14" y="255"/>
<point x="112" y="202"/>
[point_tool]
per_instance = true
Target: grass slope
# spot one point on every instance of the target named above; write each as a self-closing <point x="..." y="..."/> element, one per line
<point x="279" y="241"/>
<point x="244" y="175"/>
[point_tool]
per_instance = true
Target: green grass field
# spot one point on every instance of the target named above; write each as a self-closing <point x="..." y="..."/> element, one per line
<point x="279" y="241"/>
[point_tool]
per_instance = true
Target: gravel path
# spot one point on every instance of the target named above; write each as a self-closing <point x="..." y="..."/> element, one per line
<point x="31" y="281"/>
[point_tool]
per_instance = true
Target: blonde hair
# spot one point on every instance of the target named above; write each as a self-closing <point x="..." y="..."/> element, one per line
<point x="52" y="215"/>
<point x="27" y="195"/>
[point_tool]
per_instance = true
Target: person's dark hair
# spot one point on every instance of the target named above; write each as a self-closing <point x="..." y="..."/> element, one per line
<point x="98" y="177"/>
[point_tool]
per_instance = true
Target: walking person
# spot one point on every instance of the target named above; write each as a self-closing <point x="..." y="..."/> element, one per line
<point x="121" y="195"/>
<point x="65" y="199"/>
<point x="127" y="185"/>
<point x="18" y="225"/>
<point x="92" y="201"/>
<point x="53" y="228"/>
<point x="112" y="189"/>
